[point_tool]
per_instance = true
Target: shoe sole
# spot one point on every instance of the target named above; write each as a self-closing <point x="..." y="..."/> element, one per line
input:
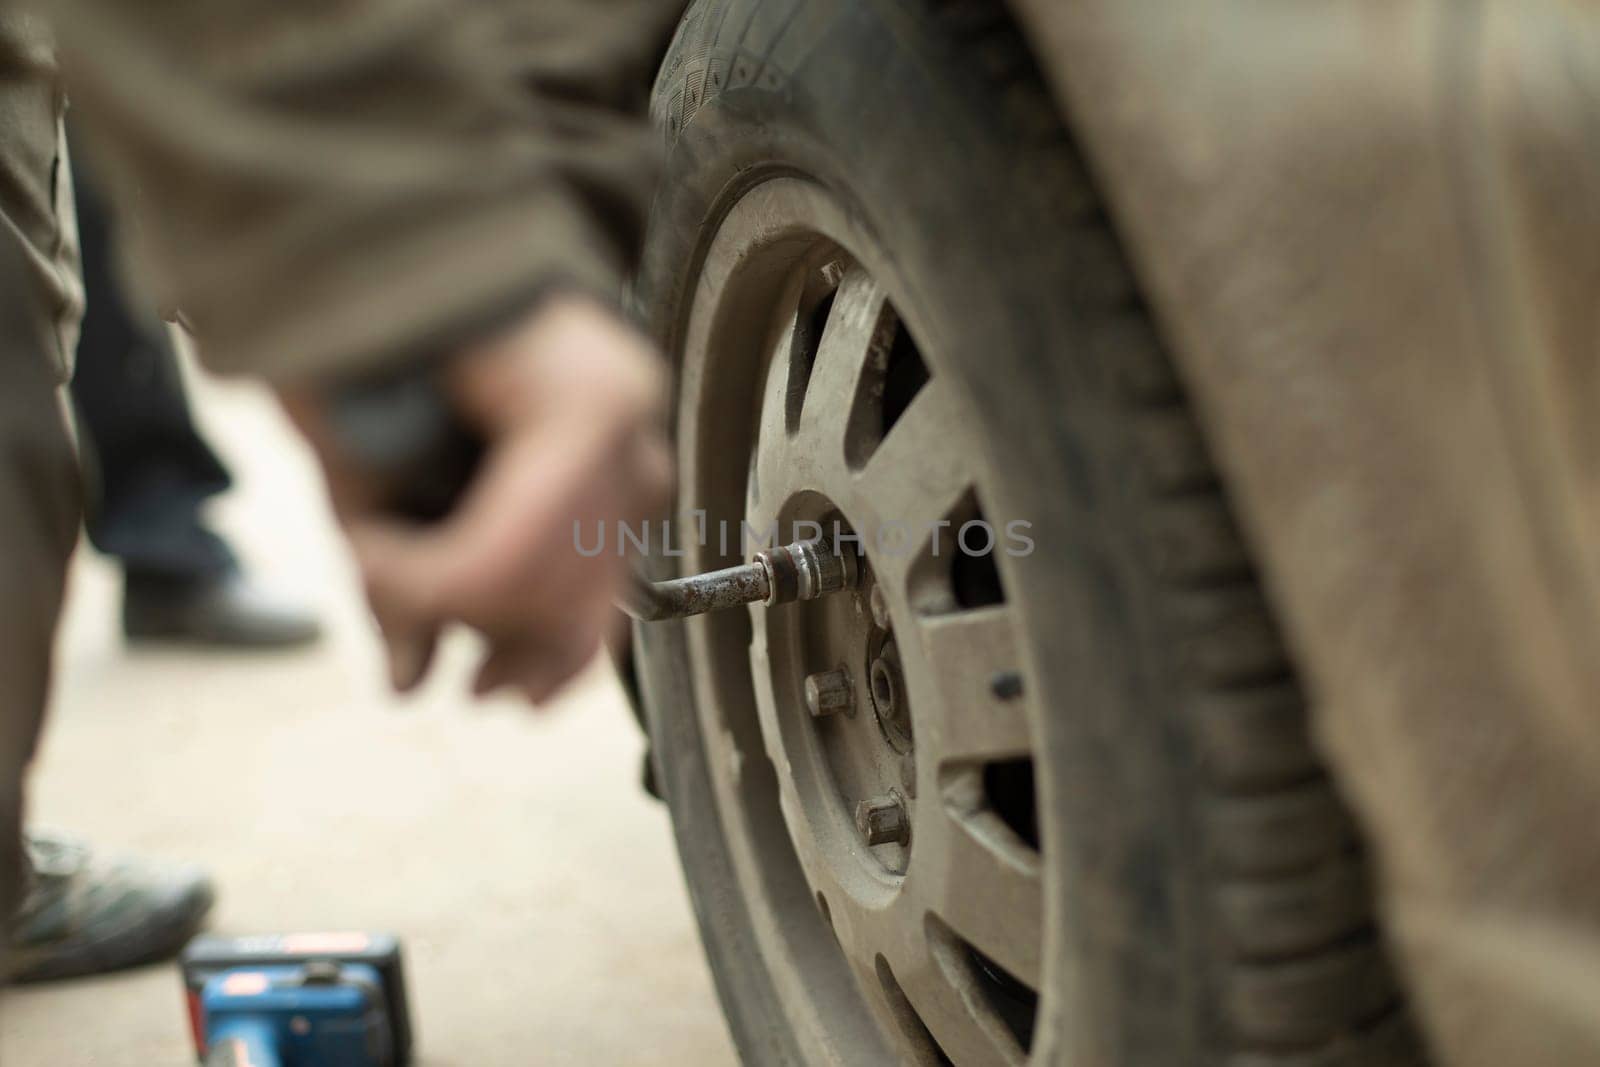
<point x="175" y="923"/>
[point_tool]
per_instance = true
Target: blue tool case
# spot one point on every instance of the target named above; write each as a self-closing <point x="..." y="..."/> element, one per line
<point x="298" y="1000"/>
<point x="311" y="1015"/>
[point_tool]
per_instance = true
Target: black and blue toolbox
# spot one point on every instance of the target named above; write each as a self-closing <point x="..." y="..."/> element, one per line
<point x="298" y="1000"/>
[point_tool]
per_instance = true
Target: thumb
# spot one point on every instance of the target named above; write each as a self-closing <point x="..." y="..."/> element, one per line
<point x="398" y="572"/>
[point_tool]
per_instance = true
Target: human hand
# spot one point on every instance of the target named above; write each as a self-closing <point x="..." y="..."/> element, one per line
<point x="568" y="405"/>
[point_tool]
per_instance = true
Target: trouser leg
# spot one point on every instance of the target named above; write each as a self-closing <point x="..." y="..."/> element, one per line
<point x="40" y="301"/>
<point x="39" y="513"/>
<point x="150" y="469"/>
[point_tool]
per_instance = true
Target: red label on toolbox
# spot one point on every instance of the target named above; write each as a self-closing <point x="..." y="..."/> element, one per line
<point x="246" y="984"/>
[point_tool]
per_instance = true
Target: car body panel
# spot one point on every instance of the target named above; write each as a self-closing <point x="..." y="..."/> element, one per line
<point x="1372" y="234"/>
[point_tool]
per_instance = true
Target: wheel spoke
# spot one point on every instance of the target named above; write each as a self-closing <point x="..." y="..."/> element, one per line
<point x="944" y="991"/>
<point x="970" y="708"/>
<point x="851" y="357"/>
<point x="982" y="880"/>
<point x="913" y="482"/>
<point x="771" y="474"/>
<point x="881" y="987"/>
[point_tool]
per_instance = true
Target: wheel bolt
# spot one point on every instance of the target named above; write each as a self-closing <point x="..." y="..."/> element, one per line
<point x="829" y="693"/>
<point x="883" y="820"/>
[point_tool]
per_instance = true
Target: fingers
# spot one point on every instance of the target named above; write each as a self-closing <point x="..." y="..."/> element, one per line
<point x="506" y="566"/>
<point x="403" y="609"/>
<point x="538" y="669"/>
<point x="569" y="407"/>
<point x="410" y="656"/>
<point x="537" y="642"/>
<point x="539" y="664"/>
<point x="512" y="540"/>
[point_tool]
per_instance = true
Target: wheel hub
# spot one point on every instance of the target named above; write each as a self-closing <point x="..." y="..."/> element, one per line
<point x="858" y="715"/>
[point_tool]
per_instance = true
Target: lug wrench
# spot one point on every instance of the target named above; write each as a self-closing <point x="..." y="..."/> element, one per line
<point x="805" y="570"/>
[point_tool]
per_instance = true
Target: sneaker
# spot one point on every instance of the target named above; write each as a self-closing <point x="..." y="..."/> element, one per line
<point x="86" y="913"/>
<point x="228" y="611"/>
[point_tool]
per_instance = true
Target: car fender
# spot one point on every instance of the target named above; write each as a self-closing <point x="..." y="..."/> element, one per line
<point x="1372" y="235"/>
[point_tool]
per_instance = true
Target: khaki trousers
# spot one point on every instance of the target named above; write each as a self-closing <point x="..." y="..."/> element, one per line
<point x="40" y="302"/>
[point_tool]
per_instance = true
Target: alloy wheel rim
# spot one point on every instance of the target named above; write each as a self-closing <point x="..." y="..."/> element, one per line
<point x="841" y="417"/>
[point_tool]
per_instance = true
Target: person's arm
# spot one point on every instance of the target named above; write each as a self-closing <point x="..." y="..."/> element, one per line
<point x="329" y="185"/>
<point x="332" y="189"/>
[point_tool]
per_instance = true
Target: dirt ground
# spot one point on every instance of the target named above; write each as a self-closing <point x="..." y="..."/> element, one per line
<point x="534" y="883"/>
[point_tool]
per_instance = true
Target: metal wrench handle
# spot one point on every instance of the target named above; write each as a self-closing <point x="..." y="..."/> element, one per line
<point x="805" y="570"/>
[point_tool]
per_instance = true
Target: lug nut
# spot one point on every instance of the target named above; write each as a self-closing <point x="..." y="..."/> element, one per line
<point x="829" y="693"/>
<point x="883" y="820"/>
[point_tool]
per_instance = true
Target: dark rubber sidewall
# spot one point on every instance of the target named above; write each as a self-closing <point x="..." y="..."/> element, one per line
<point x="860" y="98"/>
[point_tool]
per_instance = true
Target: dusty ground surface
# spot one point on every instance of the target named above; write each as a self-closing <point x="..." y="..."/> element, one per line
<point x="534" y="883"/>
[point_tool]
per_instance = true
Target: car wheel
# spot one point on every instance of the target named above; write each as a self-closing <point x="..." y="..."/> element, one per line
<point x="1052" y="800"/>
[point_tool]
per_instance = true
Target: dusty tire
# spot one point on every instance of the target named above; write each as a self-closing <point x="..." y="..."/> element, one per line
<point x="1204" y="890"/>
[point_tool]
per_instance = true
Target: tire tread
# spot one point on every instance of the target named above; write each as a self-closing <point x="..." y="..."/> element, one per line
<point x="1308" y="979"/>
